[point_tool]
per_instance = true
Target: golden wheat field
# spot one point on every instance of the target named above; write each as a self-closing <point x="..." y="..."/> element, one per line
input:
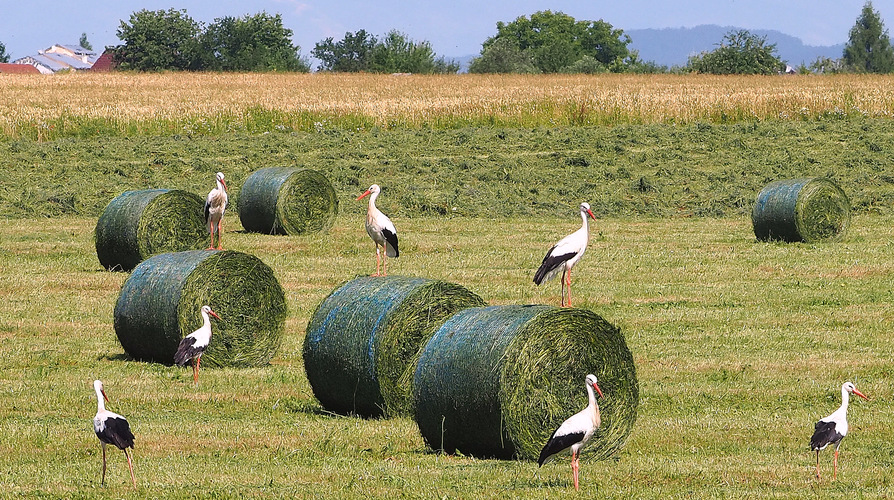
<point x="121" y="99"/>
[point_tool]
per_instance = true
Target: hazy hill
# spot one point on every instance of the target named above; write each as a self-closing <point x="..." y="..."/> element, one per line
<point x="673" y="46"/>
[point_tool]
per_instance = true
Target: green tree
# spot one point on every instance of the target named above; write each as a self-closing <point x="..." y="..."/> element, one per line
<point x="503" y="56"/>
<point x="351" y="54"/>
<point x="251" y="43"/>
<point x="868" y="49"/>
<point x="556" y="41"/>
<point x="4" y="57"/>
<point x="159" y="40"/>
<point x="84" y="42"/>
<point x="740" y="53"/>
<point x="396" y="53"/>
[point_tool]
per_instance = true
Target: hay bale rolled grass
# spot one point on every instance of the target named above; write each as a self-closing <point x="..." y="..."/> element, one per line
<point x="286" y="200"/>
<point x="497" y="381"/>
<point x="159" y="305"/>
<point x="362" y="341"/>
<point x="807" y="209"/>
<point x="138" y="224"/>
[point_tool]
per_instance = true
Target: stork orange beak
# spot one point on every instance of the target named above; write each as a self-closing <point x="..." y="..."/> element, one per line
<point x="225" y="185"/>
<point x="598" y="390"/>
<point x="591" y="214"/>
<point x="858" y="393"/>
<point x="364" y="194"/>
<point x="103" y="391"/>
<point x="214" y="314"/>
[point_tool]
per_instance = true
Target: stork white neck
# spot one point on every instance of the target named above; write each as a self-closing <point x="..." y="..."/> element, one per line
<point x="585" y="226"/>
<point x="372" y="199"/>
<point x="206" y="321"/>
<point x="593" y="406"/>
<point x="845" y="399"/>
<point x="100" y="397"/>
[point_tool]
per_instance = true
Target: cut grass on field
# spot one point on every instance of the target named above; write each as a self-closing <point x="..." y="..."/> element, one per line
<point x="739" y="345"/>
<point x="644" y="170"/>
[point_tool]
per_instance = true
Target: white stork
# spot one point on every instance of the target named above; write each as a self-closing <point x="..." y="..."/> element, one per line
<point x="215" y="204"/>
<point x="193" y="345"/>
<point x="575" y="432"/>
<point x="380" y="229"/>
<point x="565" y="254"/>
<point x="832" y="429"/>
<point x="111" y="428"/>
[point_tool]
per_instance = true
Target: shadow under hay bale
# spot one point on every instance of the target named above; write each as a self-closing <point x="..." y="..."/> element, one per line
<point x="285" y="200"/>
<point x="809" y="209"/>
<point x="159" y="305"/>
<point x="497" y="381"/>
<point x="138" y="224"/>
<point x="363" y="339"/>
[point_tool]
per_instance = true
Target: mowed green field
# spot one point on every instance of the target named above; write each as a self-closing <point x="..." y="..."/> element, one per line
<point x="740" y="345"/>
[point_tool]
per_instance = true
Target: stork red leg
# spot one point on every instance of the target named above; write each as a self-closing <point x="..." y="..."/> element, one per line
<point x="575" y="467"/>
<point x="569" y="288"/>
<point x="219" y="233"/>
<point x="130" y="466"/>
<point x="835" y="463"/>
<point x="103" y="464"/>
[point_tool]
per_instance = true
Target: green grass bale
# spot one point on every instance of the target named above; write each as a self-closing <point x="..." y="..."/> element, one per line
<point x="160" y="301"/>
<point x="364" y="338"/>
<point x="497" y="381"/>
<point x="808" y="210"/>
<point x="138" y="224"/>
<point x="285" y="200"/>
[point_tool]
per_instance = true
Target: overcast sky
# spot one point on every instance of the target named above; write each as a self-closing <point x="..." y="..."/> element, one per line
<point x="453" y="28"/>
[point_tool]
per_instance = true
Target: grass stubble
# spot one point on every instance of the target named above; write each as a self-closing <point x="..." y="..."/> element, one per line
<point x="739" y="345"/>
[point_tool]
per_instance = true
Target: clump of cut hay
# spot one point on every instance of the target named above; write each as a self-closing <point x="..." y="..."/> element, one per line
<point x="363" y="339"/>
<point x="138" y="224"/>
<point x="497" y="381"/>
<point x="159" y="305"/>
<point x="284" y="200"/>
<point x="809" y="209"/>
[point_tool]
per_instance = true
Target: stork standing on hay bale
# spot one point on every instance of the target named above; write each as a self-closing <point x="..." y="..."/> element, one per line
<point x="215" y="204"/>
<point x="832" y="429"/>
<point x="575" y="432"/>
<point x="380" y="229"/>
<point x="111" y="428"/>
<point x="565" y="254"/>
<point x="193" y="345"/>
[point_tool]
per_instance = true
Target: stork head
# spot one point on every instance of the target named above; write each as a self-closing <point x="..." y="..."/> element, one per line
<point x="585" y="209"/>
<point x="220" y="179"/>
<point x="97" y="386"/>
<point x="852" y="389"/>
<point x="374" y="189"/>
<point x="207" y="310"/>
<point x="591" y="382"/>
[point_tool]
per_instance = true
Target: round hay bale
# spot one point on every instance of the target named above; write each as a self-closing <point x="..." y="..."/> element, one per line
<point x="285" y="200"/>
<point x="809" y="209"/>
<point x="497" y="381"/>
<point x="138" y="224"/>
<point x="160" y="301"/>
<point x="363" y="339"/>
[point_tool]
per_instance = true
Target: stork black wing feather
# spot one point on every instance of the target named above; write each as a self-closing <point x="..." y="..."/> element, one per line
<point x="391" y="238"/>
<point x="558" y="443"/>
<point x="824" y="435"/>
<point x="117" y="432"/>
<point x="551" y="262"/>
<point x="186" y="351"/>
<point x="207" y="212"/>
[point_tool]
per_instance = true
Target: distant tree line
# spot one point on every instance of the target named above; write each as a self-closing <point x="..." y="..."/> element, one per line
<point x="171" y="40"/>
<point x="545" y="42"/>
